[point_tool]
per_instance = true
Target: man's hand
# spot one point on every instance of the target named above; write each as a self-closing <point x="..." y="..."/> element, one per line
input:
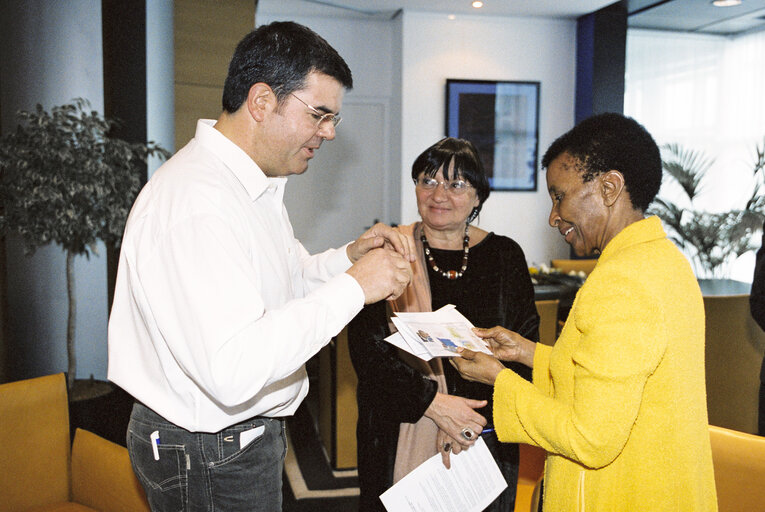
<point x="507" y="345"/>
<point x="381" y="235"/>
<point x="382" y="274"/>
<point x="477" y="366"/>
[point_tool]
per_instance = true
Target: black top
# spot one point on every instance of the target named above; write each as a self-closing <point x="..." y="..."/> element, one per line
<point x="757" y="296"/>
<point x="495" y="289"/>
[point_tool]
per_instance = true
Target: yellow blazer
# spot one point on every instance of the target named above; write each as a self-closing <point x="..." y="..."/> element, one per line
<point x="619" y="403"/>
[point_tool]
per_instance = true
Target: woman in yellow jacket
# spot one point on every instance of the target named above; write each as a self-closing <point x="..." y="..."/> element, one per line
<point x="619" y="403"/>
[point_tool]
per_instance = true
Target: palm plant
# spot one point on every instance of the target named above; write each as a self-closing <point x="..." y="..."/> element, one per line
<point x="63" y="179"/>
<point x="711" y="240"/>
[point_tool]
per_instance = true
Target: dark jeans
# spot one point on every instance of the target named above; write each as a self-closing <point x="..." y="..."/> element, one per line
<point x="194" y="471"/>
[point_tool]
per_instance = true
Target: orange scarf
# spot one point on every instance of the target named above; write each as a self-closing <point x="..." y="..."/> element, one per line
<point x="416" y="441"/>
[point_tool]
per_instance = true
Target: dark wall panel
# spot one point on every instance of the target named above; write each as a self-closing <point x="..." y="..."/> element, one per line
<point x="124" y="40"/>
<point x="600" y="61"/>
<point x="124" y="46"/>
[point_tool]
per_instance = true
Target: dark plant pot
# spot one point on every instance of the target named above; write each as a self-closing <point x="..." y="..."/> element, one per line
<point x="100" y="407"/>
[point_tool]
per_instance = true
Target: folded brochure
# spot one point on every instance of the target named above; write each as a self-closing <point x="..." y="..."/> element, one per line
<point x="435" y="334"/>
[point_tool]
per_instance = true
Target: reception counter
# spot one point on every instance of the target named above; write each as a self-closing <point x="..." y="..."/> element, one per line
<point x="734" y="351"/>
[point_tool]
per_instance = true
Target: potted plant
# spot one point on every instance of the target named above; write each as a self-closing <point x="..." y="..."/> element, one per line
<point x="711" y="240"/>
<point x="64" y="180"/>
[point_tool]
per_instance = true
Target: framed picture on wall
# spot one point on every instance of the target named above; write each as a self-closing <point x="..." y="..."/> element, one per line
<point x="502" y="120"/>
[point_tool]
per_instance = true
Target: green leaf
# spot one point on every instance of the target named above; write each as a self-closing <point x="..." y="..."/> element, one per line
<point x="687" y="167"/>
<point x="63" y="178"/>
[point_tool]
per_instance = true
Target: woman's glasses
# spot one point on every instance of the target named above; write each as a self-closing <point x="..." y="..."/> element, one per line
<point x="455" y="187"/>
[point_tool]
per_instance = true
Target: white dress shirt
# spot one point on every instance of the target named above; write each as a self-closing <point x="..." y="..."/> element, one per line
<point x="217" y="306"/>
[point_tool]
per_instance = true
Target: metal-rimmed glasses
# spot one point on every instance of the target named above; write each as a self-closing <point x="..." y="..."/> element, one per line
<point x="455" y="187"/>
<point x="318" y="116"/>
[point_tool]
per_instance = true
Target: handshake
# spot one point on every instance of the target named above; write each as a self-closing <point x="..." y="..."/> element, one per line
<point x="382" y="262"/>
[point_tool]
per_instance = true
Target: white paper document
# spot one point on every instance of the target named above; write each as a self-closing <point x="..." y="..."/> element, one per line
<point x="435" y="333"/>
<point x="473" y="482"/>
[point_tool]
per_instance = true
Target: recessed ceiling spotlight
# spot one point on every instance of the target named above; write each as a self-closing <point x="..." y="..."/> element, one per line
<point x="726" y="3"/>
<point x="477" y="4"/>
<point x="451" y="17"/>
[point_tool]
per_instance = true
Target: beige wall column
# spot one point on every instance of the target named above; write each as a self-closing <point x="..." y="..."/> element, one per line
<point x="206" y="33"/>
<point x="3" y="309"/>
<point x="734" y="352"/>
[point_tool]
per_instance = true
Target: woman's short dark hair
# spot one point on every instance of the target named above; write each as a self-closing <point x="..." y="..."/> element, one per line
<point x="467" y="165"/>
<point x="280" y="54"/>
<point x="612" y="141"/>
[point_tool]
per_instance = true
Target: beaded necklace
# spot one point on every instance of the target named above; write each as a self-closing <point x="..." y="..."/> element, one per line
<point x="448" y="274"/>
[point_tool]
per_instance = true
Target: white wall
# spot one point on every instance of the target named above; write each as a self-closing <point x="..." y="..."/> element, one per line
<point x="160" y="90"/>
<point x="354" y="179"/>
<point x="491" y="48"/>
<point x="408" y="59"/>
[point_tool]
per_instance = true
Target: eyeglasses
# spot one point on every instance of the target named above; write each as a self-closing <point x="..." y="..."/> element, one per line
<point x="318" y="116"/>
<point x="455" y="187"/>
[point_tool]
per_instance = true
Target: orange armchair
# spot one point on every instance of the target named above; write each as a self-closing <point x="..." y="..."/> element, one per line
<point x="40" y="472"/>
<point x="739" y="462"/>
<point x="567" y="266"/>
<point x="530" y="471"/>
<point x="548" y="320"/>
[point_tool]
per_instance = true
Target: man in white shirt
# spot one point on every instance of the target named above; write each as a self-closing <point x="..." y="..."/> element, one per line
<point x="217" y="306"/>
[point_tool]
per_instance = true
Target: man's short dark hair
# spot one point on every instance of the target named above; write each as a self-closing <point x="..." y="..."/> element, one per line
<point x="612" y="141"/>
<point x="280" y="54"/>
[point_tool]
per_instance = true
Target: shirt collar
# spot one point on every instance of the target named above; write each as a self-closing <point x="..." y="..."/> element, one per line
<point x="252" y="178"/>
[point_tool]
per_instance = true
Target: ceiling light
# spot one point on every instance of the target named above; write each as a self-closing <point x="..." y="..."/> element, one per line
<point x="452" y="17"/>
<point x="726" y="3"/>
<point x="477" y="4"/>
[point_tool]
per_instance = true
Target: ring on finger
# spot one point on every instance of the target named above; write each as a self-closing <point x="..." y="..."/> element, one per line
<point x="467" y="434"/>
<point x="447" y="447"/>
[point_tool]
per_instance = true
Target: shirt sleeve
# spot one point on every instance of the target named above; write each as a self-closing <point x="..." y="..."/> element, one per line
<point x="320" y="268"/>
<point x="615" y="355"/>
<point x="204" y="295"/>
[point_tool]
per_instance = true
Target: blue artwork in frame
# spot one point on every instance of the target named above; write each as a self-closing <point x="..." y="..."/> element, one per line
<point x="502" y="120"/>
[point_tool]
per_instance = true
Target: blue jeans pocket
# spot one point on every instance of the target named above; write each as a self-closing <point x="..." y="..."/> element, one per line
<point x="246" y="475"/>
<point x="164" y="480"/>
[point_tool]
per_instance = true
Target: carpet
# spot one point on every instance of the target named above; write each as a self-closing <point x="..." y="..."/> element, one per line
<point x="310" y="483"/>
